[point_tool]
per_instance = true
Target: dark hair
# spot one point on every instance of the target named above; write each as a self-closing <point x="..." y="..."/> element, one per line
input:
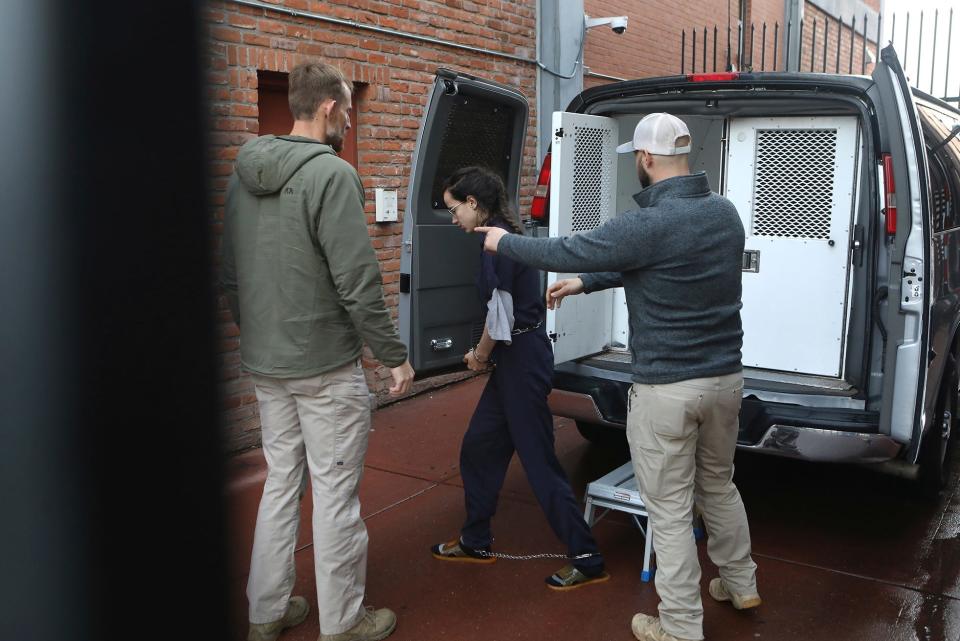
<point x="310" y="84"/>
<point x="487" y="188"/>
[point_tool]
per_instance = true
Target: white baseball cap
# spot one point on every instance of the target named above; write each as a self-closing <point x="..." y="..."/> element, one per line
<point x="657" y="134"/>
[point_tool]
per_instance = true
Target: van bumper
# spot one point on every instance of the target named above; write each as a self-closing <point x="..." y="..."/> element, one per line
<point x="811" y="434"/>
<point x="817" y="444"/>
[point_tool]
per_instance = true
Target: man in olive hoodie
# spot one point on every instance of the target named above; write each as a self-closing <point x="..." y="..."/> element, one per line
<point x="304" y="286"/>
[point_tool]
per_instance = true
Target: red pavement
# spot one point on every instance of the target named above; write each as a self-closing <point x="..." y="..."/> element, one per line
<point x="843" y="553"/>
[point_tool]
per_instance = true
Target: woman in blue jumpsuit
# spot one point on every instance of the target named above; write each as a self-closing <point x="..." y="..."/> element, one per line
<point x="512" y="414"/>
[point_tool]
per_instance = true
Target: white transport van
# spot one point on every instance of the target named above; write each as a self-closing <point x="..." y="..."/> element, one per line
<point x="848" y="187"/>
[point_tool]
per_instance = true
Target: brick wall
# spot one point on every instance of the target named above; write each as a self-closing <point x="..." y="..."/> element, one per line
<point x="398" y="72"/>
<point x="651" y="46"/>
<point x="815" y="15"/>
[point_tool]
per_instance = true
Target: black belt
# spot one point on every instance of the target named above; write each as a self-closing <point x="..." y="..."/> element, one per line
<point x="523" y="330"/>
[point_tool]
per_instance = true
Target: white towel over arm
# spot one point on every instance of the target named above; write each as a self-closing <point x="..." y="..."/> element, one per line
<point x="500" y="316"/>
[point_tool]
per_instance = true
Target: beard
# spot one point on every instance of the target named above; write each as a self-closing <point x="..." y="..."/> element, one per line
<point x="335" y="138"/>
<point x="643" y="176"/>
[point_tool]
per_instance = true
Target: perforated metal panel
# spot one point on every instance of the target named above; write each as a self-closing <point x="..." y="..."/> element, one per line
<point x="793" y="190"/>
<point x="792" y="180"/>
<point x="592" y="178"/>
<point x="583" y="196"/>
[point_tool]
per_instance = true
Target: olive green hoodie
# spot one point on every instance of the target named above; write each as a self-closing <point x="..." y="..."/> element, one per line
<point x="298" y="269"/>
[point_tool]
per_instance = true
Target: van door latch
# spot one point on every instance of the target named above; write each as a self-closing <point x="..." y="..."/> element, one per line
<point x="441" y="344"/>
<point x="751" y="260"/>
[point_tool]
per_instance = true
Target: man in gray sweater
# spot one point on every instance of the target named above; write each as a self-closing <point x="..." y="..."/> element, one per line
<point x="678" y="258"/>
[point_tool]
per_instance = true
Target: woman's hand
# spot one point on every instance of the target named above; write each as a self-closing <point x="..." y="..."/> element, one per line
<point x="474" y="363"/>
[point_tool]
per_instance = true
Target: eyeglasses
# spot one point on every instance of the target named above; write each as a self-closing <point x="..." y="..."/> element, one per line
<point x="453" y="210"/>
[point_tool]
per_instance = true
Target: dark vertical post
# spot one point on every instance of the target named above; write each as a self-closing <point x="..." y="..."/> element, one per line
<point x="693" y="56"/>
<point x="836" y="68"/>
<point x="704" y="66"/>
<point x="826" y="39"/>
<point x="751" y="46"/>
<point x="800" y="45"/>
<point x="863" y="47"/>
<point x="879" y="35"/>
<point x="763" y="47"/>
<point x="714" y="47"/>
<point x="853" y="42"/>
<point x="813" y="44"/>
<point x="776" y="37"/>
<point x="683" y="51"/>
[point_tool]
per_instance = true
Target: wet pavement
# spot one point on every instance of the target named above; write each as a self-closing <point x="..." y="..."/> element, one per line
<point x="844" y="553"/>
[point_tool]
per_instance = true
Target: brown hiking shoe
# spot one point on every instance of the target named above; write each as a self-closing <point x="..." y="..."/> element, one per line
<point x="648" y="628"/>
<point x="718" y="590"/>
<point x="297" y="610"/>
<point x="374" y="626"/>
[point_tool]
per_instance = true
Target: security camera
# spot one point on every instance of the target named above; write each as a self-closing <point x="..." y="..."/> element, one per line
<point x="617" y="23"/>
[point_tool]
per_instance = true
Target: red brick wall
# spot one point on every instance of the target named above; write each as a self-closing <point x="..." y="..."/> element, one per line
<point x="813" y="14"/>
<point x="399" y="72"/>
<point x="652" y="43"/>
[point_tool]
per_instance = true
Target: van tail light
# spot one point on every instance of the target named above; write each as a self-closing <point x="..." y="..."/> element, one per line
<point x="713" y="77"/>
<point x="540" y="208"/>
<point x="889" y="195"/>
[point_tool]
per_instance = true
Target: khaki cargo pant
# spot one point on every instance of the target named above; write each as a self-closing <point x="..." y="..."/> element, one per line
<point x="682" y="440"/>
<point x="323" y="421"/>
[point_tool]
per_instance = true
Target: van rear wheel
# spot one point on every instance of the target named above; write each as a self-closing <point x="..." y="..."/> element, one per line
<point x="935" y="449"/>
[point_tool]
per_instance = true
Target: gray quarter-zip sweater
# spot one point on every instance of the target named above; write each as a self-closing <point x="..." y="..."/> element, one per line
<point x="678" y="257"/>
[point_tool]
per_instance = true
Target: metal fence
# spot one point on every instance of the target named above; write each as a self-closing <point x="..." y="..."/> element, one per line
<point x="829" y="47"/>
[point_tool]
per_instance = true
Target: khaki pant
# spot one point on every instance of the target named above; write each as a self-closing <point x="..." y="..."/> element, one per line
<point x="324" y="422"/>
<point x="682" y="440"/>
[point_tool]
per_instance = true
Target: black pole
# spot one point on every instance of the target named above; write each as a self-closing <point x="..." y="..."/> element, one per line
<point x="799" y="45"/>
<point x="853" y="42"/>
<point x="714" y="48"/>
<point x="751" y="46"/>
<point x="839" y="43"/>
<point x="693" y="56"/>
<point x="776" y="37"/>
<point x="879" y="35"/>
<point x="813" y="44"/>
<point x="704" y="66"/>
<point x="763" y="47"/>
<point x="683" y="51"/>
<point x="826" y="34"/>
<point x="863" y="47"/>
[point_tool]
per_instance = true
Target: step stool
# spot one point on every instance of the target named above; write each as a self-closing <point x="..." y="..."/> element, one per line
<point x="618" y="491"/>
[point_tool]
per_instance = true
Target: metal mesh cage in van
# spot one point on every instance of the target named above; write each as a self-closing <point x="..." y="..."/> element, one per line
<point x="793" y="189"/>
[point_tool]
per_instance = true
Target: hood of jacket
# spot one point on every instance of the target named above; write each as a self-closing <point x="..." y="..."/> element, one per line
<point x="265" y="164"/>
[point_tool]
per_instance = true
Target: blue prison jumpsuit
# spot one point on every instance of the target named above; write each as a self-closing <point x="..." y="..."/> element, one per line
<point x="513" y="416"/>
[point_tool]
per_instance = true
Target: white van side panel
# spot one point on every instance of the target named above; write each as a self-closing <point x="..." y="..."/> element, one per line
<point x="583" y="192"/>
<point x="793" y="181"/>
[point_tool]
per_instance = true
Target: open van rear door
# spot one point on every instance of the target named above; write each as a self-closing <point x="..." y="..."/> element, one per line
<point x="908" y="300"/>
<point x="583" y="195"/>
<point x="467" y="121"/>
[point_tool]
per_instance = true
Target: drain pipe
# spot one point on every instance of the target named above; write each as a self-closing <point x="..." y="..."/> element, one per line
<point x="368" y="27"/>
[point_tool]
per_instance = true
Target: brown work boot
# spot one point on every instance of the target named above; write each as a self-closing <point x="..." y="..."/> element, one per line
<point x="648" y="628"/>
<point x="297" y="610"/>
<point x="718" y="590"/>
<point x="375" y="625"/>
